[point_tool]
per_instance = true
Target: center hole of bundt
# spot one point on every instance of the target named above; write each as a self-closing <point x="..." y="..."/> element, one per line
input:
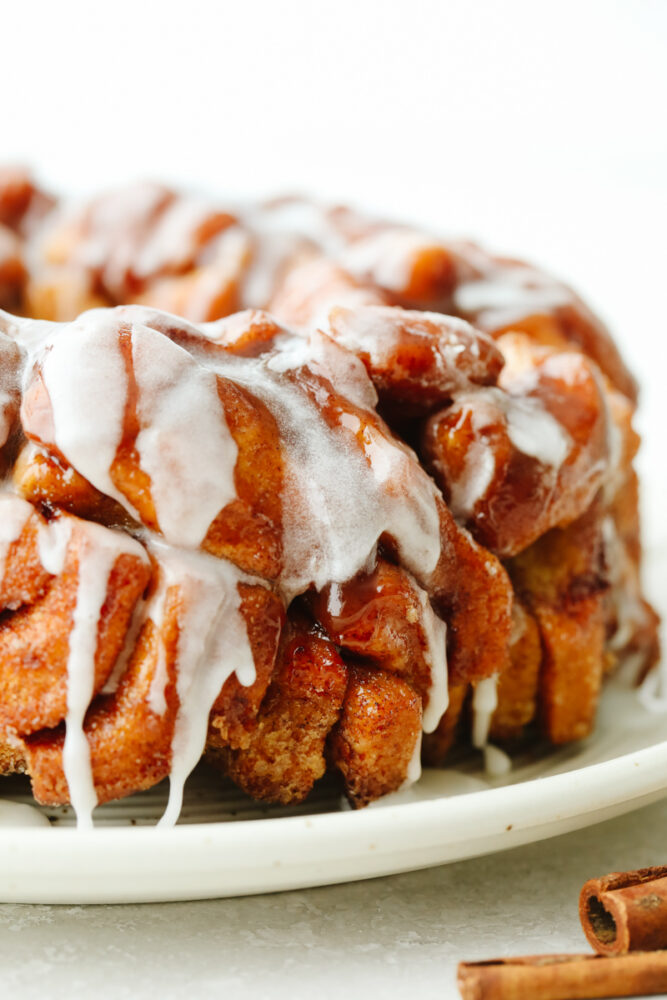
<point x="602" y="922"/>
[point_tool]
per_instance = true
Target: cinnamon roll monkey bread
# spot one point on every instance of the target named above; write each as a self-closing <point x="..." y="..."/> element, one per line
<point x="298" y="491"/>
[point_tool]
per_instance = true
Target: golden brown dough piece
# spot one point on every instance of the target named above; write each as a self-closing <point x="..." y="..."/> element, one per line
<point x="283" y="754"/>
<point x="416" y="360"/>
<point x="250" y="473"/>
<point x="149" y="244"/>
<point x="473" y="594"/>
<point x="520" y="459"/>
<point x="377" y="735"/>
<point x="561" y="579"/>
<point x="34" y="646"/>
<point x="518" y="686"/>
<point x="379" y="617"/>
<point x="129" y="733"/>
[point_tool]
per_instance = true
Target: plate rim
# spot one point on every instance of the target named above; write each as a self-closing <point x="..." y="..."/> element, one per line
<point x="286" y="852"/>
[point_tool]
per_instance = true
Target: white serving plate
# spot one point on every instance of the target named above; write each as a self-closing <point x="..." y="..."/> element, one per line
<point x="227" y="845"/>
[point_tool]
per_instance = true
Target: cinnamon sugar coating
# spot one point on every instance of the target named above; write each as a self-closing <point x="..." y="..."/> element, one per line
<point x="350" y="473"/>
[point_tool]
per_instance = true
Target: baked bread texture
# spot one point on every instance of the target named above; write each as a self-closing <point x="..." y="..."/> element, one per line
<point x="298" y="491"/>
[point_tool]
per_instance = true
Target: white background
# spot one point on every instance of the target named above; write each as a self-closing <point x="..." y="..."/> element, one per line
<point x="537" y="127"/>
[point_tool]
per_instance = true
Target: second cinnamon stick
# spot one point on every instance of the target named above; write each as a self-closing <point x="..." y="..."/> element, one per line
<point x="564" y="977"/>
<point x="625" y="911"/>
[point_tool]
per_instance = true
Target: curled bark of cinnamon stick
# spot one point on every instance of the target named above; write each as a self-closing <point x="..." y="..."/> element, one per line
<point x="564" y="977"/>
<point x="625" y="911"/>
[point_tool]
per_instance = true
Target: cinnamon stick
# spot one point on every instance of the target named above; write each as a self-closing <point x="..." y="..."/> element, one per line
<point x="625" y="911"/>
<point x="564" y="977"/>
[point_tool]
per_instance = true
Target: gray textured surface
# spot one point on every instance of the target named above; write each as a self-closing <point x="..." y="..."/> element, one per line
<point x="397" y="937"/>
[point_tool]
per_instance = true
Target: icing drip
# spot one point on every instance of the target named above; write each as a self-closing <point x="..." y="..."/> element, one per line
<point x="52" y="541"/>
<point x="436" y="656"/>
<point x="98" y="550"/>
<point x="184" y="438"/>
<point x="114" y="226"/>
<point x="373" y="484"/>
<point x="475" y="478"/>
<point x="535" y="432"/>
<point x="20" y="814"/>
<point x="388" y="254"/>
<point x="173" y="241"/>
<point x="213" y="643"/>
<point x="84" y="374"/>
<point x="530" y="427"/>
<point x="414" y="771"/>
<point x="93" y="581"/>
<point x="508" y="295"/>
<point x="496" y="762"/>
<point x="484" y="704"/>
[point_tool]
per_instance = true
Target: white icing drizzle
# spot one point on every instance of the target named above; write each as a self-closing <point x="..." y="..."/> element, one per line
<point x="530" y="427"/>
<point x="496" y="762"/>
<point x="172" y="242"/>
<point x="52" y="541"/>
<point x="435" y="633"/>
<point x="322" y="355"/>
<point x="414" y="771"/>
<point x="339" y="497"/>
<point x="20" y="814"/>
<point x="378" y="335"/>
<point x="98" y="550"/>
<point x="184" y="438"/>
<point x="535" y="432"/>
<point x="112" y="226"/>
<point x="508" y="294"/>
<point x="154" y="611"/>
<point x="84" y="374"/>
<point x="9" y="372"/>
<point x="387" y="255"/>
<point x="92" y="589"/>
<point x="213" y="643"/>
<point x="484" y="704"/>
<point x="477" y="474"/>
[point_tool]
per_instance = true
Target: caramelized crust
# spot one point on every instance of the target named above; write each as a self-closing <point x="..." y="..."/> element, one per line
<point x="283" y="754"/>
<point x="377" y="734"/>
<point x="417" y="361"/>
<point x="473" y="594"/>
<point x="561" y="579"/>
<point x="520" y="563"/>
<point x="130" y="732"/>
<point x="378" y="617"/>
<point x="518" y="686"/>
<point x="235" y="709"/>
<point x="34" y="638"/>
<point x="519" y="460"/>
